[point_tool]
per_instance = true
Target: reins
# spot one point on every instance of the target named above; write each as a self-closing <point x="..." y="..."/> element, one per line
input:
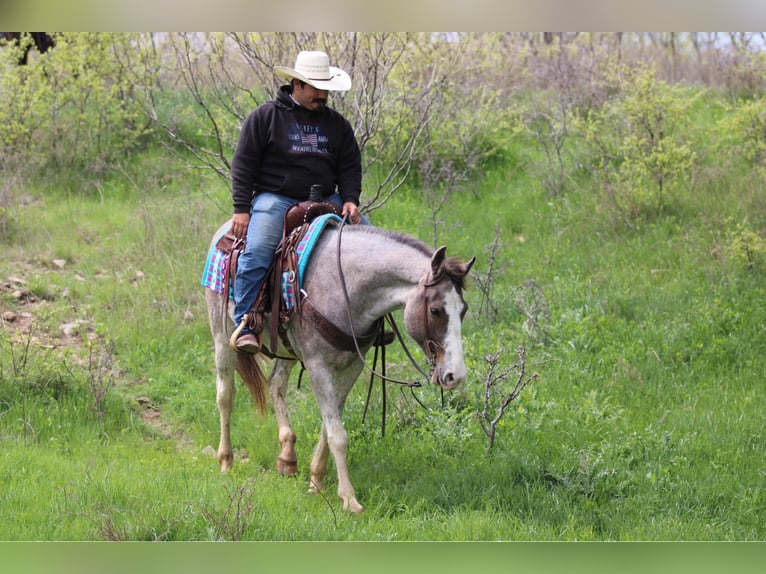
<point x="389" y="318"/>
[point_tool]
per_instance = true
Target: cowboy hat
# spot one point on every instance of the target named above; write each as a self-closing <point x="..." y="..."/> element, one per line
<point x="314" y="68"/>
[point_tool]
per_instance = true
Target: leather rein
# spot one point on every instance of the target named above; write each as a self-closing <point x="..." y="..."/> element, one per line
<point x="431" y="345"/>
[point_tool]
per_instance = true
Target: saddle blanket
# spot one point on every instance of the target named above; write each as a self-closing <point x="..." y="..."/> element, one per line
<point x="216" y="265"/>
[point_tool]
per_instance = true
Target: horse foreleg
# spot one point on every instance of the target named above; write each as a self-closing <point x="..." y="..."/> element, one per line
<point x="319" y="463"/>
<point x="287" y="461"/>
<point x="334" y="439"/>
<point x="330" y="388"/>
<point x="337" y="440"/>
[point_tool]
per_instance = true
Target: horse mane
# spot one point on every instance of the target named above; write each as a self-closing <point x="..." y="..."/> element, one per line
<point x="397" y="236"/>
<point x="453" y="267"/>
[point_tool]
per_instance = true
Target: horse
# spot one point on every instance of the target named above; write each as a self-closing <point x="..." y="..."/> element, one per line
<point x="356" y="275"/>
<point x="41" y="40"/>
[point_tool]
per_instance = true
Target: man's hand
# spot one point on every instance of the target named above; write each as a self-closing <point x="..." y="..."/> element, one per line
<point x="239" y="223"/>
<point x="352" y="211"/>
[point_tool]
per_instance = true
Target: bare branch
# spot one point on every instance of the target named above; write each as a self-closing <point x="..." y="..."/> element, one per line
<point x="495" y="379"/>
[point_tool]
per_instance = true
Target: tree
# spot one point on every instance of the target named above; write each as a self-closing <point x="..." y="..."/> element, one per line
<point x="404" y="84"/>
<point x="640" y="156"/>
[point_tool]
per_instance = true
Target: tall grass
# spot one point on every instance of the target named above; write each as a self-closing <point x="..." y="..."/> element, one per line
<point x="644" y="423"/>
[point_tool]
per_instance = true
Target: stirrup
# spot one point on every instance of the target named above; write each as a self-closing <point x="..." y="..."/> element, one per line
<point x="237" y="331"/>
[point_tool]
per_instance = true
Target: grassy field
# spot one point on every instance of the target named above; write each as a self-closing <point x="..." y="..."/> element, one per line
<point x="644" y="422"/>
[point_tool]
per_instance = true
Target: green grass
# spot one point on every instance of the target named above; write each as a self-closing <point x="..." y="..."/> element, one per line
<point x="644" y="423"/>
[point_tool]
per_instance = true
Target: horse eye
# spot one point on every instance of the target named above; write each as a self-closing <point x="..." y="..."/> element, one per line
<point x="435" y="312"/>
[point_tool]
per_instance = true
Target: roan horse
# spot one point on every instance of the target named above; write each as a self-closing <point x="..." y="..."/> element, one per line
<point x="352" y="281"/>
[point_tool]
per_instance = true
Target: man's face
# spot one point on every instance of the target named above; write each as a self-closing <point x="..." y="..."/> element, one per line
<point x="309" y="97"/>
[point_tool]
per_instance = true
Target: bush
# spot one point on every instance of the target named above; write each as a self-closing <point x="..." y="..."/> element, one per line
<point x="747" y="248"/>
<point x="73" y="108"/>
<point x="743" y="133"/>
<point x="639" y="155"/>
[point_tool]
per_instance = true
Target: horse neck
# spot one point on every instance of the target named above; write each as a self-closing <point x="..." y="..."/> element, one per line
<point x="381" y="269"/>
<point x="386" y="261"/>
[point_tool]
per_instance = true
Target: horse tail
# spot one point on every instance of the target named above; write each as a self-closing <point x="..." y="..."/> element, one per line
<point x="252" y="375"/>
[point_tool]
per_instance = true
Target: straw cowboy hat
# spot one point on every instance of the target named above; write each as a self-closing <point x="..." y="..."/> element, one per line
<point x="314" y="68"/>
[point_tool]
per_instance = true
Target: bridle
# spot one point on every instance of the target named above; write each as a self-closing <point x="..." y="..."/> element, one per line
<point x="430" y="344"/>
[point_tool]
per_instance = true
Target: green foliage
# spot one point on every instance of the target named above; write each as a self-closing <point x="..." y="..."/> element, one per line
<point x="74" y="109"/>
<point x="545" y="117"/>
<point x="744" y="75"/>
<point x="49" y="399"/>
<point x="644" y="422"/>
<point x="637" y="141"/>
<point x="743" y="133"/>
<point x="747" y="247"/>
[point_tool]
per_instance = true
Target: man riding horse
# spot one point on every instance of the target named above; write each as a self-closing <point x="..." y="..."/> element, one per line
<point x="286" y="146"/>
<point x="351" y="281"/>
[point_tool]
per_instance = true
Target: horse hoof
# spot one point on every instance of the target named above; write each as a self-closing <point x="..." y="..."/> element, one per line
<point x="353" y="506"/>
<point x="226" y="461"/>
<point x="287" y="467"/>
<point x="315" y="488"/>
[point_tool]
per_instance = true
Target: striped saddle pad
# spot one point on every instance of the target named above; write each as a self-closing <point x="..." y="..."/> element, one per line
<point x="216" y="265"/>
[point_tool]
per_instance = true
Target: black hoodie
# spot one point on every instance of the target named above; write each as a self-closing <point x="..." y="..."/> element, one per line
<point x="284" y="148"/>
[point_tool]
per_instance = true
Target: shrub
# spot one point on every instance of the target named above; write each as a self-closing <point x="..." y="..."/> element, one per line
<point x="74" y="108"/>
<point x="747" y="247"/>
<point x="743" y="133"/>
<point x="640" y="158"/>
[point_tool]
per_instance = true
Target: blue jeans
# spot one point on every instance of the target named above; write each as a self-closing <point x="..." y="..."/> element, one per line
<point x="267" y="216"/>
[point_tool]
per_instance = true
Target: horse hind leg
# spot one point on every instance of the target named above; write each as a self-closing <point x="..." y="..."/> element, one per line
<point x="225" y="361"/>
<point x="287" y="461"/>
<point x="225" y="392"/>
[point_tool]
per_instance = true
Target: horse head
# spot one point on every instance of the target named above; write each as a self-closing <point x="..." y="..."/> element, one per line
<point x="433" y="317"/>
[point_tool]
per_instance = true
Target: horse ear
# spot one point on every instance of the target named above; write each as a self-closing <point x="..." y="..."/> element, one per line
<point x="468" y="265"/>
<point x="437" y="259"/>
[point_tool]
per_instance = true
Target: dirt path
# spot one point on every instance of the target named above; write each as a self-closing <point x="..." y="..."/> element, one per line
<point x="20" y="309"/>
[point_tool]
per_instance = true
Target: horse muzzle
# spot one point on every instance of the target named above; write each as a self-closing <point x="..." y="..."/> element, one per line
<point x="447" y="381"/>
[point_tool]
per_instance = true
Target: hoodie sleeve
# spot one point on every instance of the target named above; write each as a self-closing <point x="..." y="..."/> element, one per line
<point x="245" y="164"/>
<point x="349" y="176"/>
